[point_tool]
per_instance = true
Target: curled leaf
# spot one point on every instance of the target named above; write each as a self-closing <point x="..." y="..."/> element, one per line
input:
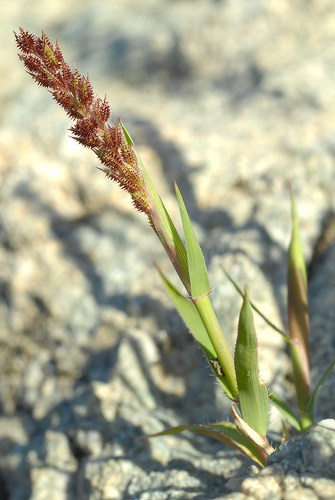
<point x="250" y="434"/>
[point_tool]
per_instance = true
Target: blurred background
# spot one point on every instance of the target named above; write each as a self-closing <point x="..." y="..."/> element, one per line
<point x="232" y="99"/>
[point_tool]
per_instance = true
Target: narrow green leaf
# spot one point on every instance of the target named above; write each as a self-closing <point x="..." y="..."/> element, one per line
<point x="162" y="223"/>
<point x="296" y="253"/>
<point x="200" y="289"/>
<point x="253" y="394"/>
<point x="190" y="315"/>
<point x="267" y="321"/>
<point x="128" y="138"/>
<point x="285" y="411"/>
<point x="225" y="432"/>
<point x="298" y="316"/>
<point x="167" y="233"/>
<point x="194" y="322"/>
<point x="325" y="375"/>
<point x="196" y="262"/>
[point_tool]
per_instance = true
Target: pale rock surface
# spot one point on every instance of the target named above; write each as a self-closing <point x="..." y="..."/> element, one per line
<point x="233" y="100"/>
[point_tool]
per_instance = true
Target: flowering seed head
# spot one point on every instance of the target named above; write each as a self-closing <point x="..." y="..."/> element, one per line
<point x="74" y="93"/>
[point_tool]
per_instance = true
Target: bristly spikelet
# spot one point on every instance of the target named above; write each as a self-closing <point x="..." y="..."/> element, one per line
<point x="74" y="93"/>
<point x="62" y="98"/>
<point x="25" y="42"/>
<point x="103" y="110"/>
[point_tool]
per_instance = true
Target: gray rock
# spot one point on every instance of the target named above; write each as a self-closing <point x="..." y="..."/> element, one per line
<point x="303" y="467"/>
<point x="234" y="100"/>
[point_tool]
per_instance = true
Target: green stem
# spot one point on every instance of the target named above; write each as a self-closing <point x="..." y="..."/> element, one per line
<point x="301" y="382"/>
<point x="219" y="343"/>
<point x="306" y="420"/>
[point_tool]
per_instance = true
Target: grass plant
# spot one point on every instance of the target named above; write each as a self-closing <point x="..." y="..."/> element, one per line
<point x="237" y="373"/>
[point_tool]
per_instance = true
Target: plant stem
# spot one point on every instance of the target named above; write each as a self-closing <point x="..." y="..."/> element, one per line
<point x="301" y="382"/>
<point x="219" y="343"/>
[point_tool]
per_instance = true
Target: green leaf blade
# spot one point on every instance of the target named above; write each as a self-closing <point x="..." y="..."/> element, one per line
<point x="298" y="317"/>
<point x="161" y="222"/>
<point x="253" y="394"/>
<point x="194" y="323"/>
<point x="196" y="263"/>
<point x="225" y="432"/>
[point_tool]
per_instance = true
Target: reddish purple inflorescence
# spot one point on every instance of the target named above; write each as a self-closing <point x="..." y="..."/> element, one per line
<point x="73" y="92"/>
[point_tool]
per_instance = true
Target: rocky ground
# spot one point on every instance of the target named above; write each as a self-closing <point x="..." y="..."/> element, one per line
<point x="233" y="100"/>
